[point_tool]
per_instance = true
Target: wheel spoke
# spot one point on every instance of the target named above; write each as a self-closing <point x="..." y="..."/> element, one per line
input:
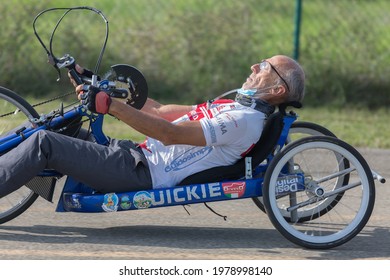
<point x="15" y="113"/>
<point x="338" y="198"/>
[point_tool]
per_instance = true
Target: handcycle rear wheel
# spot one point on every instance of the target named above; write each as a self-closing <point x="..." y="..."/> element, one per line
<point x="15" y="113"/>
<point x="297" y="131"/>
<point x="300" y="129"/>
<point x="317" y="158"/>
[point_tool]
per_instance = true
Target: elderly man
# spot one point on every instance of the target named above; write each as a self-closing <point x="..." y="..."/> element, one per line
<point x="181" y="140"/>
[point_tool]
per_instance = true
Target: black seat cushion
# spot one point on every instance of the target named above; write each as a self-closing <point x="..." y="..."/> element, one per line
<point x="267" y="142"/>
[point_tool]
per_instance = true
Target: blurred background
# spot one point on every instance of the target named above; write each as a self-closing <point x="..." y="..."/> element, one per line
<point x="193" y="50"/>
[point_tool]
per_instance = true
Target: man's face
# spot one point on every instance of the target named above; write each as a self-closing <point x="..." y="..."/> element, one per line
<point x="262" y="76"/>
<point x="267" y="80"/>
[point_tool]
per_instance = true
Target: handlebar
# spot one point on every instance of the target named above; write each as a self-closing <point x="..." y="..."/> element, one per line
<point x="69" y="62"/>
<point x="122" y="81"/>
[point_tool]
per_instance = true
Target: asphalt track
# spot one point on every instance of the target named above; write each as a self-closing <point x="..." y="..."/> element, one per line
<point x="171" y="233"/>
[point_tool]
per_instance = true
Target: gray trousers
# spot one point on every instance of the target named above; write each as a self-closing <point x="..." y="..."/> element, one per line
<point x="121" y="166"/>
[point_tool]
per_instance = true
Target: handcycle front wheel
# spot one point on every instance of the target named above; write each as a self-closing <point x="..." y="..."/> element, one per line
<point x="315" y="160"/>
<point x="15" y="113"/>
<point x="298" y="131"/>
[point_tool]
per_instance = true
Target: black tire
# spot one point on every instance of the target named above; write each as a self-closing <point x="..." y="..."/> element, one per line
<point x="301" y="130"/>
<point x="309" y="129"/>
<point x="15" y="112"/>
<point x="314" y="159"/>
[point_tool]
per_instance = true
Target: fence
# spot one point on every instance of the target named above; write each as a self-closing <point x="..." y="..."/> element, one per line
<point x="190" y="50"/>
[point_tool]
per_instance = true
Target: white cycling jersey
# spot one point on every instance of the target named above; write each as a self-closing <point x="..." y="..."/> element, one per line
<point x="230" y="130"/>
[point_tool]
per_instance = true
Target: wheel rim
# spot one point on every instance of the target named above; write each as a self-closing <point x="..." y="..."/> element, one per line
<point x="298" y="131"/>
<point x="13" y="116"/>
<point x="346" y="219"/>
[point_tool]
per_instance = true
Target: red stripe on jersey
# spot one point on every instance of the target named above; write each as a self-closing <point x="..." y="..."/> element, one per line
<point x="144" y="146"/>
<point x="247" y="151"/>
<point x="219" y="101"/>
<point x="201" y="111"/>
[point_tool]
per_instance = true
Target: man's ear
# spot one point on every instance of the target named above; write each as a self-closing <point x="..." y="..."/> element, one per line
<point x="278" y="91"/>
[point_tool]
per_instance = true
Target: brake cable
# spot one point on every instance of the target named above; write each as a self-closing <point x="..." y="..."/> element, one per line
<point x="52" y="58"/>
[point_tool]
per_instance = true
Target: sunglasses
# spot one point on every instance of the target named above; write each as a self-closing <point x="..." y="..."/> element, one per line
<point x="267" y="66"/>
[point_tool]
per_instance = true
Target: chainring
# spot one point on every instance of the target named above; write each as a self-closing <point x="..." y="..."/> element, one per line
<point x="130" y="78"/>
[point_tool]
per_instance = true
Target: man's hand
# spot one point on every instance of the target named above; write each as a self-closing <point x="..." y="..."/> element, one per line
<point x="80" y="70"/>
<point x="97" y="101"/>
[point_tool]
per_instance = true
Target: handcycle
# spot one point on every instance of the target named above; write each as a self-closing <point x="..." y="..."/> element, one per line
<point x="318" y="191"/>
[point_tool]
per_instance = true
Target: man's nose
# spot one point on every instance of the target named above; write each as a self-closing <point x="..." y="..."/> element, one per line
<point x="255" y="68"/>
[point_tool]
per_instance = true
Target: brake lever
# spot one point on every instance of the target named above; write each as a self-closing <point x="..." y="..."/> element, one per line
<point x="53" y="61"/>
<point x="68" y="62"/>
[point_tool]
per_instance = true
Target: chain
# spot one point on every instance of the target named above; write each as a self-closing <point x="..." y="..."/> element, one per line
<point x="53" y="99"/>
<point x="46" y="101"/>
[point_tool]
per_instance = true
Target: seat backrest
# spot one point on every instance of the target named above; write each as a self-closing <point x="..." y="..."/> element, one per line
<point x="271" y="132"/>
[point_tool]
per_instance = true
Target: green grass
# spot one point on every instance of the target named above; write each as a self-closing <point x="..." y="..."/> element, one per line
<point x="192" y="50"/>
<point x="358" y="127"/>
<point x="117" y="129"/>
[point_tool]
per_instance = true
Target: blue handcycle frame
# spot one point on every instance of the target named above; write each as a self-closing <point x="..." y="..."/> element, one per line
<point x="78" y="197"/>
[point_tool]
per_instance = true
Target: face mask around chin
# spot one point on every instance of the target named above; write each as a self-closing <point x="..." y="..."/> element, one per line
<point x="252" y="91"/>
<point x="248" y="92"/>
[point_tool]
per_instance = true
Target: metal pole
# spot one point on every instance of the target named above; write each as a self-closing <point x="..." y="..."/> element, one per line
<point x="298" y="14"/>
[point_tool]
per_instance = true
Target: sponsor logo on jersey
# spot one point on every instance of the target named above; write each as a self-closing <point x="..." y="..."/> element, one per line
<point x="222" y="125"/>
<point x="188" y="158"/>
